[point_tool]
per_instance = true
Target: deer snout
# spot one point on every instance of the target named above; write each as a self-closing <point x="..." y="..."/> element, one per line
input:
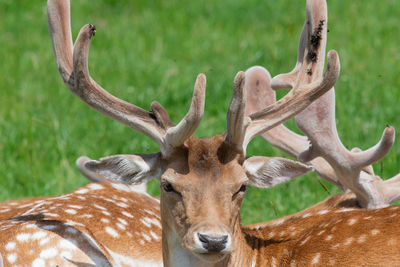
<point x="213" y="243"/>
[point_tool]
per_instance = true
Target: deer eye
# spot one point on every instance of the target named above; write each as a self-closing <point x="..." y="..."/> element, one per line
<point x="242" y="189"/>
<point x="167" y="187"/>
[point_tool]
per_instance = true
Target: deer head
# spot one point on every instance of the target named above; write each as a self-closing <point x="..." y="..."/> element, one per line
<point x="203" y="181"/>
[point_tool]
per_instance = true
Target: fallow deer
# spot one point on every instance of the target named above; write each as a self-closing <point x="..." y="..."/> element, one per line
<point x="203" y="181"/>
<point x="107" y="224"/>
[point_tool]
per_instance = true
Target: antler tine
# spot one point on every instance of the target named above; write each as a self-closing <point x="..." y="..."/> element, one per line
<point x="311" y="48"/>
<point x="236" y="124"/>
<point x="73" y="66"/>
<point x="177" y="135"/>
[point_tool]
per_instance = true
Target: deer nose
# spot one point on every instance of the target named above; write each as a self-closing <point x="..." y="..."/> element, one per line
<point x="213" y="243"/>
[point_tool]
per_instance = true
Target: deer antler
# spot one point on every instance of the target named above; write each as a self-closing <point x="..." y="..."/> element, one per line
<point x="261" y="95"/>
<point x="72" y="61"/>
<point x="301" y="95"/>
<point x="346" y="169"/>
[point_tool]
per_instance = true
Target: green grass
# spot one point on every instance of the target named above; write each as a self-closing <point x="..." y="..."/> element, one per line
<point x="152" y="50"/>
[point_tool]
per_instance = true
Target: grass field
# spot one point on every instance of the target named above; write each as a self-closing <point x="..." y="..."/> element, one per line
<point x="152" y="50"/>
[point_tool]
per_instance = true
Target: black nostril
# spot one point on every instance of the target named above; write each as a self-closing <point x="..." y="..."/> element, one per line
<point x="213" y="243"/>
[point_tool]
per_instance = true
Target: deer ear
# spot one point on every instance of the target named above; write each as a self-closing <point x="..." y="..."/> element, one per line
<point x="128" y="169"/>
<point x="267" y="172"/>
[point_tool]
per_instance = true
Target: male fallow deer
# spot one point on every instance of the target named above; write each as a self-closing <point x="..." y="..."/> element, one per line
<point x="203" y="181"/>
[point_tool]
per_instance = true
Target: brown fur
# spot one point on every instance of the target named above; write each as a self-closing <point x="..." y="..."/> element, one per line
<point x="204" y="202"/>
<point x="63" y="230"/>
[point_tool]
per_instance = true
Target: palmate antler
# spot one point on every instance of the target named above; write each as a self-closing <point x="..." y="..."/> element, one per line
<point x="330" y="159"/>
<point x="72" y="62"/>
<point x="242" y="127"/>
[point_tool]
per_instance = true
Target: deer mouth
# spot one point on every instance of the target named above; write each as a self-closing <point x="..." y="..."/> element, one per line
<point x="211" y="257"/>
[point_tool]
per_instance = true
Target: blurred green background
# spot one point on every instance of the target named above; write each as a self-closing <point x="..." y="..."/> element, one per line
<point x="152" y="50"/>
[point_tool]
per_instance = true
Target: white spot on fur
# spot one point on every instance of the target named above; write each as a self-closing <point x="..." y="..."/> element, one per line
<point x="148" y="238"/>
<point x="44" y="241"/>
<point x="70" y="211"/>
<point x="321" y="232"/>
<point x="49" y="214"/>
<point x="75" y="207"/>
<point x="5" y="210"/>
<point x="23" y="237"/>
<point x="352" y="221"/>
<point x="348" y="241"/>
<point x="121" y="187"/>
<point x="10" y="245"/>
<point x="48" y="253"/>
<point x="38" y="263"/>
<point x="375" y="232"/>
<point x="306" y="215"/>
<point x="121" y="226"/>
<point x="274" y="263"/>
<point x="123" y="199"/>
<point x="105" y="220"/>
<point x="344" y="210"/>
<point x="323" y="212"/>
<point x="95" y="186"/>
<point x="12" y="257"/>
<point x="112" y="232"/>
<point x="122" y="205"/>
<point x="279" y="222"/>
<point x="315" y="260"/>
<point x="99" y="207"/>
<point x="329" y="237"/>
<point x="271" y="235"/>
<point x="122" y="221"/>
<point x="82" y="191"/>
<point x="127" y="214"/>
<point x="39" y="235"/>
<point x="156" y="237"/>
<point x="145" y="222"/>
<point x="335" y="246"/>
<point x="361" y="239"/>
<point x="253" y="262"/>
<point x="106" y="213"/>
<point x="305" y="240"/>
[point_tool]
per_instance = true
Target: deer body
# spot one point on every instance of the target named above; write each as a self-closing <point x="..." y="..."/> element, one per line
<point x="98" y="225"/>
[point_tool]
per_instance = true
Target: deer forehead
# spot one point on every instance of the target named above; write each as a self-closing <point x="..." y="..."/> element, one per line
<point x="204" y="161"/>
